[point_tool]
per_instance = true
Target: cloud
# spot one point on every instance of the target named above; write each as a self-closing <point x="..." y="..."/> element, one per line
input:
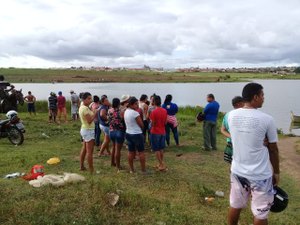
<point x="159" y="33"/>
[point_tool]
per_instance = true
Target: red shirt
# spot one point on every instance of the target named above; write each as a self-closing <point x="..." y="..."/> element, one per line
<point x="61" y="102"/>
<point x="158" y="119"/>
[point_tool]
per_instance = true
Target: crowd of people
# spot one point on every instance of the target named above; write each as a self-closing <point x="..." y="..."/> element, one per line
<point x="251" y="138"/>
<point x="139" y="123"/>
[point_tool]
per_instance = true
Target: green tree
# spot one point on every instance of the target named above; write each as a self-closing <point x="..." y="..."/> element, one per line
<point x="297" y="70"/>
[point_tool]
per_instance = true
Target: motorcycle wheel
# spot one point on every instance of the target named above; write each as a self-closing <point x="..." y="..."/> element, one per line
<point x="15" y="136"/>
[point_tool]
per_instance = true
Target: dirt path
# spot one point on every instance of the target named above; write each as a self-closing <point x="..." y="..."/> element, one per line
<point x="290" y="160"/>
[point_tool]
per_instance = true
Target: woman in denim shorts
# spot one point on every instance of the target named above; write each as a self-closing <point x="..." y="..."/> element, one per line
<point x="116" y="132"/>
<point x="134" y="134"/>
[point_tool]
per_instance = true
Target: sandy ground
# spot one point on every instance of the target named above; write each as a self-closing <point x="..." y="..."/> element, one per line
<point x="289" y="158"/>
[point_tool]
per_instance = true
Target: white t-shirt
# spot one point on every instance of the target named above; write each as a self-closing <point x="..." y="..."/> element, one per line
<point x="131" y="125"/>
<point x="248" y="129"/>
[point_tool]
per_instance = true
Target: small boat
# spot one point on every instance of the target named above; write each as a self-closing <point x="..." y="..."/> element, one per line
<point x="294" y="118"/>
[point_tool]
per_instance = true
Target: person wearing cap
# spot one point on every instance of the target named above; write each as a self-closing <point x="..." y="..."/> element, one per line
<point x="75" y="103"/>
<point x="61" y="105"/>
<point x="237" y="102"/>
<point x="254" y="167"/>
<point x="52" y="106"/>
<point x="124" y="102"/>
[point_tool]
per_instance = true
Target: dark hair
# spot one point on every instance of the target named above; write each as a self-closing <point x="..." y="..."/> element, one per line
<point x="115" y="103"/>
<point x="168" y="99"/>
<point x="85" y="95"/>
<point x="29" y="92"/>
<point x="143" y="97"/>
<point x="103" y="97"/>
<point x="1" y="78"/>
<point x="211" y="96"/>
<point x="132" y="100"/>
<point x="96" y="98"/>
<point x="236" y="100"/>
<point x="250" y="90"/>
<point x="157" y="100"/>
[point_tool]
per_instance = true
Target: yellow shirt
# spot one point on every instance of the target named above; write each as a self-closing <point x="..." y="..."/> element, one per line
<point x="83" y="111"/>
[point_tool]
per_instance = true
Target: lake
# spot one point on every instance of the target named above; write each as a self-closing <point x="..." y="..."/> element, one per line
<point x="281" y="96"/>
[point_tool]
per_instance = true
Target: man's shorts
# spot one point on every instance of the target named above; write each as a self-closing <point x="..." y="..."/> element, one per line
<point x="261" y="192"/>
<point x="62" y="110"/>
<point x="117" y="136"/>
<point x="87" y="134"/>
<point x="105" y="129"/>
<point x="135" y="142"/>
<point x="158" y="142"/>
<point x="31" y="107"/>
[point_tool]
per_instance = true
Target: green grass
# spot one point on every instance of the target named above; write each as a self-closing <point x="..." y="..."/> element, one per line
<point x="174" y="197"/>
<point x="21" y="75"/>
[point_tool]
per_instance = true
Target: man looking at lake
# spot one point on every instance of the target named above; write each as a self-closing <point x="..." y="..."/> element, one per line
<point x="253" y="164"/>
<point x="30" y="99"/>
<point x="75" y="102"/>
<point x="61" y="105"/>
<point x="210" y="123"/>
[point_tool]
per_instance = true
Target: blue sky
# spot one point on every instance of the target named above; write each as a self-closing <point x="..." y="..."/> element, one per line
<point x="170" y="33"/>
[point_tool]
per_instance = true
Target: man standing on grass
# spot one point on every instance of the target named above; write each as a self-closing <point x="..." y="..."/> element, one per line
<point x="255" y="167"/>
<point x="30" y="99"/>
<point x="75" y="103"/>
<point x="61" y="105"/>
<point x="211" y="111"/>
<point x="158" y="119"/>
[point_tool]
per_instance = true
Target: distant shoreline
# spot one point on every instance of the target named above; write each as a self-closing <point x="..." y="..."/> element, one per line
<point x="131" y="76"/>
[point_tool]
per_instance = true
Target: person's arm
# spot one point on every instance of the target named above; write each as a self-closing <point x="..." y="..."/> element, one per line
<point x="34" y="99"/>
<point x="90" y="118"/>
<point x="103" y="114"/>
<point x="139" y="121"/>
<point x="274" y="158"/>
<point x="224" y="131"/>
<point x="26" y="98"/>
<point x="205" y="111"/>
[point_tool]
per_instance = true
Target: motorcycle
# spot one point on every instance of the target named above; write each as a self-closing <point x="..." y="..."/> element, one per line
<point x="12" y="128"/>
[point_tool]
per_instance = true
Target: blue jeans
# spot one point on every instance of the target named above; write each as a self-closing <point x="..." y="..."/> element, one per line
<point x="97" y="133"/>
<point x="135" y="142"/>
<point x="117" y="136"/>
<point x="174" y="131"/>
<point x="158" y="142"/>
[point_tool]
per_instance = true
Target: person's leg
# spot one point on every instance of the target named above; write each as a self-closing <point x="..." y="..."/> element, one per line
<point x="113" y="153"/>
<point x="206" y="135"/>
<point x="97" y="134"/>
<point x="118" y="155"/>
<point x="168" y="134"/>
<point x="50" y="115"/>
<point x="260" y="222"/>
<point x="142" y="161"/>
<point x="105" y="144"/>
<point x="131" y="156"/>
<point x="214" y="136"/>
<point x="59" y="111"/>
<point x="89" y="151"/>
<point x="233" y="216"/>
<point x="82" y="156"/>
<point x="65" y="114"/>
<point x="33" y="108"/>
<point x="175" y="134"/>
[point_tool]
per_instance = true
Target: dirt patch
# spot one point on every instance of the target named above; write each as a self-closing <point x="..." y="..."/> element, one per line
<point x="290" y="159"/>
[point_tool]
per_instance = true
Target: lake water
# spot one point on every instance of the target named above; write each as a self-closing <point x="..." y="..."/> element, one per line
<point x="281" y="96"/>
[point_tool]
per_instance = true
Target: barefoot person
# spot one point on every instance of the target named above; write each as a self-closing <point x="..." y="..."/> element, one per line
<point x="61" y="106"/>
<point x="87" y="131"/>
<point x="116" y="132"/>
<point x="134" y="134"/>
<point x="158" y="119"/>
<point x="255" y="167"/>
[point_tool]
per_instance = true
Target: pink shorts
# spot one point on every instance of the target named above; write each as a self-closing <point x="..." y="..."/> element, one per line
<point x="261" y="191"/>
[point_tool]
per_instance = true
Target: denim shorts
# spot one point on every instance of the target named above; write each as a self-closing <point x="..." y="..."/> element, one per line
<point x="117" y="136"/>
<point x="87" y="134"/>
<point x="105" y="129"/>
<point x="158" y="142"/>
<point x="135" y="142"/>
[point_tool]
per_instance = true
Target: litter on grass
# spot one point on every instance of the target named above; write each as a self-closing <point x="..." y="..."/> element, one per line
<point x="53" y="161"/>
<point x="112" y="198"/>
<point x="14" y="175"/>
<point x="57" y="180"/>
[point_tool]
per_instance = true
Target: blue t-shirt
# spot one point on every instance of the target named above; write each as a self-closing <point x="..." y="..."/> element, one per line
<point x="171" y="108"/>
<point x="211" y="111"/>
<point x="100" y="119"/>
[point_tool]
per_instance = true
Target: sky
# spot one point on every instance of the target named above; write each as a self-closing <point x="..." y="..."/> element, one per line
<point x="157" y="33"/>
